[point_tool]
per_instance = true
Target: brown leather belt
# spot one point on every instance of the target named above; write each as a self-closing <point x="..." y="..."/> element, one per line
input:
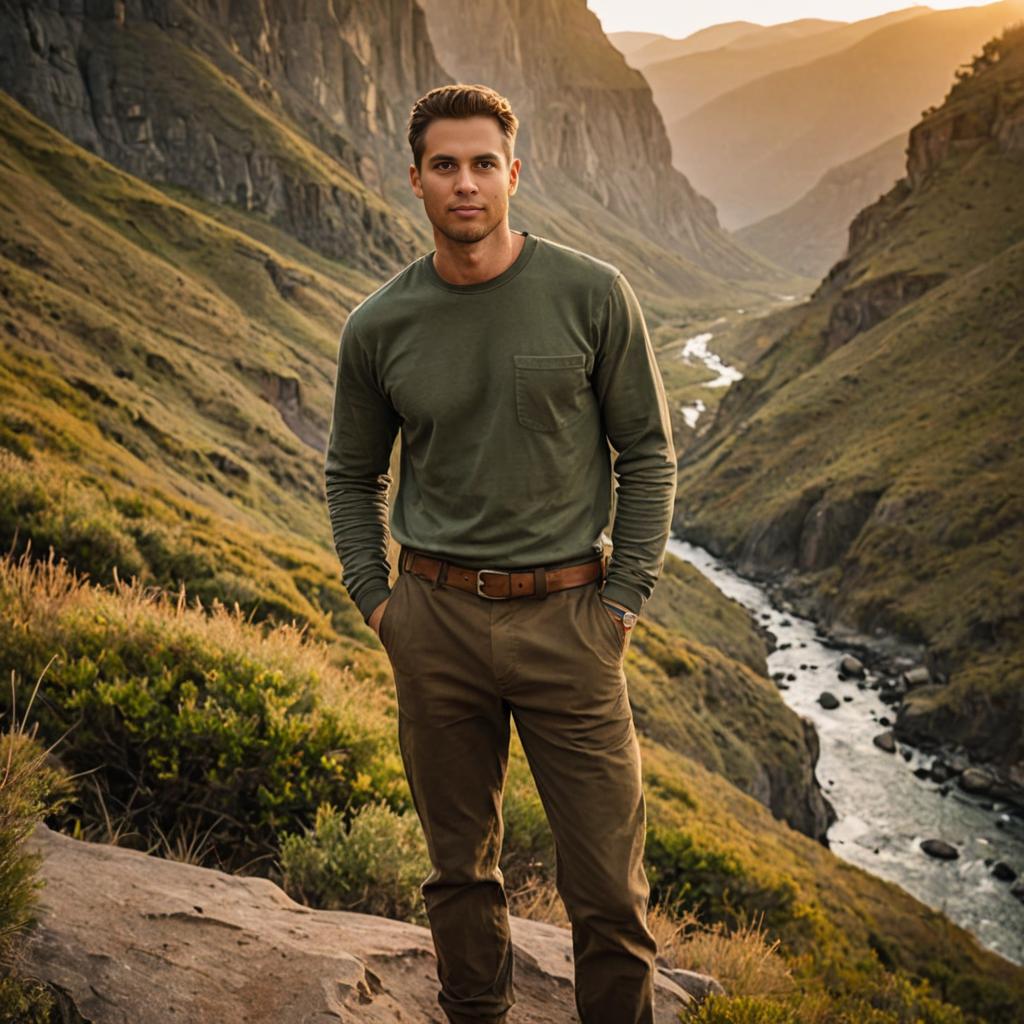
<point x="501" y="584"/>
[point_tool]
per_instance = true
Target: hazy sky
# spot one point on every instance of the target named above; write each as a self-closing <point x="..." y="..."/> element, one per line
<point x="679" y="18"/>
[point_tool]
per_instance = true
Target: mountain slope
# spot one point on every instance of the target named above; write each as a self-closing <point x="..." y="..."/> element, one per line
<point x="809" y="236"/>
<point x="757" y="149"/>
<point x="872" y="456"/>
<point x="684" y="83"/>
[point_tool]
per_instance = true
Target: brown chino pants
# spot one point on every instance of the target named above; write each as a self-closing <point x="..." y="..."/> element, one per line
<point x="462" y="663"/>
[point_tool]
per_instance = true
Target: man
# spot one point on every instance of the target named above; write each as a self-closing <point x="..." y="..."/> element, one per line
<point x="508" y="362"/>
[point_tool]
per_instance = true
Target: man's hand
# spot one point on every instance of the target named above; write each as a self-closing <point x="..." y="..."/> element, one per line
<point x="622" y="627"/>
<point x="377" y="614"/>
<point x="614" y="604"/>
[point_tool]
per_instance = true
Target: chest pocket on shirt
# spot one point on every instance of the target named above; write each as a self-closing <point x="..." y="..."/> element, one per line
<point x="551" y="391"/>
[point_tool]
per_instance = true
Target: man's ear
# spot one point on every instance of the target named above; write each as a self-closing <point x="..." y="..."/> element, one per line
<point x="513" y="175"/>
<point x="414" y="180"/>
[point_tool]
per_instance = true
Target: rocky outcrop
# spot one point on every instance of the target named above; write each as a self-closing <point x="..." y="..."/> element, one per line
<point x="294" y="111"/>
<point x="859" y="309"/>
<point x="964" y="124"/>
<point x="803" y="806"/>
<point x="810" y="533"/>
<point x="985" y="107"/>
<point x="588" y="120"/>
<point x="125" y="937"/>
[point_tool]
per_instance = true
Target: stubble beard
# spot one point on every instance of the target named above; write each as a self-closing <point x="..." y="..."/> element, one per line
<point x="469" y="234"/>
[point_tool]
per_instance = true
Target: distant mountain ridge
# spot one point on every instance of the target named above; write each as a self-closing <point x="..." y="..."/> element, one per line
<point x="729" y="35"/>
<point x="758" y="148"/>
<point x="683" y="83"/>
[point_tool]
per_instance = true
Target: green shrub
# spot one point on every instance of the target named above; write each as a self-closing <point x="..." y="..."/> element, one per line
<point x="882" y="998"/>
<point x="39" y="510"/>
<point x="100" y="528"/>
<point x="27" y="788"/>
<point x="374" y="864"/>
<point x="741" y="1010"/>
<point x="190" y="722"/>
<point x="687" y="874"/>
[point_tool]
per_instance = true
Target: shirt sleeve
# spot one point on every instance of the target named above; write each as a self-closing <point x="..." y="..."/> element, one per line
<point x="363" y="430"/>
<point x="631" y="395"/>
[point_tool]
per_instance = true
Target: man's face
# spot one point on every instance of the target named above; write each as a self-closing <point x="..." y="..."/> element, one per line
<point x="465" y="179"/>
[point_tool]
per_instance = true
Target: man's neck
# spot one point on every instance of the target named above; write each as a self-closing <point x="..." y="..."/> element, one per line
<point x="472" y="263"/>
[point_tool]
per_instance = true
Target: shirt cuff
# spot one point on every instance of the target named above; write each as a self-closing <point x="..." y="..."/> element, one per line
<point x="623" y="595"/>
<point x="369" y="601"/>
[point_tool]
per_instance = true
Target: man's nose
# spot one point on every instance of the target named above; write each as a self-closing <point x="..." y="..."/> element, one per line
<point x="465" y="182"/>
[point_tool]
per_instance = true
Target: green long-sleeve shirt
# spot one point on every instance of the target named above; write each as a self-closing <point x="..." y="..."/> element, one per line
<point x="507" y="393"/>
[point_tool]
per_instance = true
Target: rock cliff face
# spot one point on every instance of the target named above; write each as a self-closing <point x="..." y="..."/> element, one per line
<point x="293" y="110"/>
<point x="588" y="120"/>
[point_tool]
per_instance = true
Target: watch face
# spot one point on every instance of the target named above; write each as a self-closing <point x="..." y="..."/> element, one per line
<point x="629" y="619"/>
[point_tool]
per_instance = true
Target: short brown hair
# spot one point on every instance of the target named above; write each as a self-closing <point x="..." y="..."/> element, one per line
<point x="460" y="100"/>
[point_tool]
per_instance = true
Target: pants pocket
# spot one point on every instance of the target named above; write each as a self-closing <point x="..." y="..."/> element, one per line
<point x="615" y="632"/>
<point x="390" y="611"/>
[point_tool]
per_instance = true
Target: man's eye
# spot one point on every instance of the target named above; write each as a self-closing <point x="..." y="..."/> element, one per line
<point x="489" y="163"/>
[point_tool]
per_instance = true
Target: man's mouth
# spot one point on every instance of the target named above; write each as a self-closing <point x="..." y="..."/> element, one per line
<point x="467" y="211"/>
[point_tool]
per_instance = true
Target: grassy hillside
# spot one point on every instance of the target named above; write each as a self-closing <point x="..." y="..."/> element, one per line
<point x="872" y="454"/>
<point x="811" y="235"/>
<point x="758" y="148"/>
<point x="221" y="739"/>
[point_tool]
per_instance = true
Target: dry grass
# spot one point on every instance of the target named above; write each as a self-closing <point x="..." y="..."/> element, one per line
<point x="537" y="899"/>
<point x="47" y="590"/>
<point x="743" y="960"/>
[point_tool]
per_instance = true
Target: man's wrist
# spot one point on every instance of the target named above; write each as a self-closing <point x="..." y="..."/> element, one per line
<point x="622" y="596"/>
<point x="369" y="600"/>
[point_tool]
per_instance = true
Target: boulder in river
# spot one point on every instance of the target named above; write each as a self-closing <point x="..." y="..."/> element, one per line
<point x="851" y="666"/>
<point x="939" y="848"/>
<point x="885" y="741"/>
<point x="828" y="700"/>
<point x="1002" y="871"/>
<point x="975" y="780"/>
<point x="128" y="938"/>
<point x="917" y="676"/>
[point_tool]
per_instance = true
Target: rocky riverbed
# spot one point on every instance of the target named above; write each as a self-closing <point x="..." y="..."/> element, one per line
<point x="949" y="831"/>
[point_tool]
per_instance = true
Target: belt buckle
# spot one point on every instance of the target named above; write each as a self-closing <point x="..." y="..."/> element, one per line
<point x="480" y="583"/>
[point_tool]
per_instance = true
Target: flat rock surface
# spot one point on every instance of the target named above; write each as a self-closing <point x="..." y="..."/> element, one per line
<point x="131" y="938"/>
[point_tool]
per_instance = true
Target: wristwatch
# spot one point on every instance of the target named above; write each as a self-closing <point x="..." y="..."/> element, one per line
<point x="629" y="619"/>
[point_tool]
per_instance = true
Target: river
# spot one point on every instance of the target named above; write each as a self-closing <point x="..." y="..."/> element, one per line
<point x="884" y="810"/>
